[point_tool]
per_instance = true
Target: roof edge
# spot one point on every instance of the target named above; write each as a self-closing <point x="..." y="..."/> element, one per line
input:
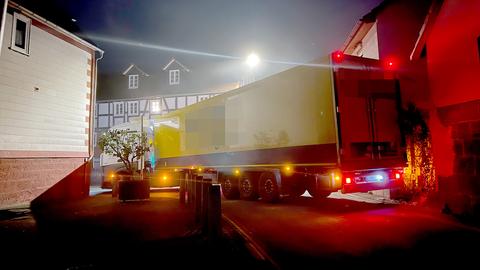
<point x="54" y="26"/>
<point x="428" y="23"/>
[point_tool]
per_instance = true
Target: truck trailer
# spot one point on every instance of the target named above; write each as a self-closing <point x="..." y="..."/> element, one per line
<point x="321" y="127"/>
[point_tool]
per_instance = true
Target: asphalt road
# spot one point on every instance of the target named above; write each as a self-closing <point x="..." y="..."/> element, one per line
<point x="304" y="233"/>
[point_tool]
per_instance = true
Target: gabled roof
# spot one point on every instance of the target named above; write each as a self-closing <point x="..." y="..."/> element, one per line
<point x="176" y="61"/>
<point x="426" y="29"/>
<point x="137" y="68"/>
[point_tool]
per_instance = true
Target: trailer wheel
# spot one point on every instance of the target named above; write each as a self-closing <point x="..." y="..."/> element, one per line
<point x="248" y="189"/>
<point x="230" y="188"/>
<point x="318" y="194"/>
<point x="268" y="187"/>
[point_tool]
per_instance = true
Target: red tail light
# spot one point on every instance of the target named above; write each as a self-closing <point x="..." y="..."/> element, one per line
<point x="391" y="63"/>
<point x="338" y="56"/>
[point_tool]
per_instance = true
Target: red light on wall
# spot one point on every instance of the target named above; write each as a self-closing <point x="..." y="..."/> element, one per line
<point x="390" y="64"/>
<point x="338" y="56"/>
<point x="348" y="180"/>
<point x="397" y="176"/>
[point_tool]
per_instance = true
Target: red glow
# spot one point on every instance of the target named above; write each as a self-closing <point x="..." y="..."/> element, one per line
<point x="390" y="64"/>
<point x="338" y="56"/>
<point x="348" y="180"/>
<point x="397" y="176"/>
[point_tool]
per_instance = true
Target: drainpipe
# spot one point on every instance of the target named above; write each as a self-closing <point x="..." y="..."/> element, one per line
<point x="3" y="16"/>
<point x="93" y="104"/>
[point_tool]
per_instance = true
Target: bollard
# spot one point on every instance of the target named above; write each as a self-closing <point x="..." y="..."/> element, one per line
<point x="198" y="198"/>
<point x="183" y="184"/>
<point x="205" y="194"/>
<point x="214" y="212"/>
<point x="189" y="189"/>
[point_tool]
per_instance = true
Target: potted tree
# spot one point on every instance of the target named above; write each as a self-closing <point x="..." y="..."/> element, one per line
<point x="129" y="147"/>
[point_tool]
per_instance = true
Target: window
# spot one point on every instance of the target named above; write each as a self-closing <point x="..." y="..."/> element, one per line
<point x="132" y="81"/>
<point x="20" y="33"/>
<point x="174" y="76"/>
<point x="118" y="108"/>
<point x="155" y="106"/>
<point x="133" y="108"/>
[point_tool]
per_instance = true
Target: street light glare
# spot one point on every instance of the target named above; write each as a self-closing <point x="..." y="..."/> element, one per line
<point x="253" y="60"/>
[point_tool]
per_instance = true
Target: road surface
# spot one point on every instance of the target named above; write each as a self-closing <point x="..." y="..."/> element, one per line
<point x="308" y="233"/>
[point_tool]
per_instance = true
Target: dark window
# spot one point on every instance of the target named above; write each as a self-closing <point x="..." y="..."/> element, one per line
<point x="20" y="34"/>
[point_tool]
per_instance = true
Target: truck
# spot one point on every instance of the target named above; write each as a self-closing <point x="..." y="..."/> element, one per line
<point x="321" y="127"/>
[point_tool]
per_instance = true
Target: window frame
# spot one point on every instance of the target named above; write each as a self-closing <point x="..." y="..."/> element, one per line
<point x="171" y="76"/>
<point x="132" y="108"/>
<point x="133" y="81"/>
<point x="118" y="109"/>
<point x="158" y="108"/>
<point x="28" y="27"/>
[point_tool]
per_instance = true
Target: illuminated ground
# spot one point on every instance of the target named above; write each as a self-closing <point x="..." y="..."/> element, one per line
<point x="101" y="233"/>
<point x="337" y="232"/>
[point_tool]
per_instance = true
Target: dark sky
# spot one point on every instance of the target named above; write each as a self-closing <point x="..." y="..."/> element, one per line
<point x="280" y="30"/>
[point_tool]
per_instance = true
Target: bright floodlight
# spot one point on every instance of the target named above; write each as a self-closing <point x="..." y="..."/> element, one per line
<point x="253" y="60"/>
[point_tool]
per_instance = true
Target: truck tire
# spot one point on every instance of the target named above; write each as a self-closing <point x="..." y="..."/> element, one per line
<point x="248" y="189"/>
<point x="268" y="188"/>
<point x="317" y="193"/>
<point x="230" y="187"/>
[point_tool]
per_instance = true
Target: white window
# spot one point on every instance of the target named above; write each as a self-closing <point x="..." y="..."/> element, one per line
<point x="20" y="33"/>
<point x="132" y="81"/>
<point x="133" y="108"/>
<point x="174" y="76"/>
<point x="155" y="106"/>
<point x="118" y="108"/>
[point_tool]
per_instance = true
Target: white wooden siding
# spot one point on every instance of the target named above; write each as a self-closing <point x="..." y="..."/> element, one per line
<point x="43" y="96"/>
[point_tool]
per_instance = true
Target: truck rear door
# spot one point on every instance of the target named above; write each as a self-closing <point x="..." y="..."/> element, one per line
<point x="369" y="134"/>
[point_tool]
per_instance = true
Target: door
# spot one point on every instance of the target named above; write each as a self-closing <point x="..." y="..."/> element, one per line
<point x="368" y="120"/>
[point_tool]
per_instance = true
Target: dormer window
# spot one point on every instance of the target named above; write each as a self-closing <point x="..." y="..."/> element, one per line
<point x="174" y="76"/>
<point x="132" y="81"/>
<point x="20" y="34"/>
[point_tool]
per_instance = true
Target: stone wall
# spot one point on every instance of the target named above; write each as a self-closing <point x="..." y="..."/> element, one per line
<point x="22" y="180"/>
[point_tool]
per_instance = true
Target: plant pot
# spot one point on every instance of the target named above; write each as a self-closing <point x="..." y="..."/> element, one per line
<point x="130" y="189"/>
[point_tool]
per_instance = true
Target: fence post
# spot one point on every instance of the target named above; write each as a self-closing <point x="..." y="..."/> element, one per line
<point x="183" y="183"/>
<point x="205" y="195"/>
<point x="198" y="198"/>
<point x="214" y="212"/>
<point x="190" y="194"/>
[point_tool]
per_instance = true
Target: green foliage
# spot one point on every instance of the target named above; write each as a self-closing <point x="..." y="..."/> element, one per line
<point x="126" y="145"/>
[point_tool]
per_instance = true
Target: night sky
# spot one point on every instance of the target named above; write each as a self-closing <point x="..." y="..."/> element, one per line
<point x="280" y="30"/>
